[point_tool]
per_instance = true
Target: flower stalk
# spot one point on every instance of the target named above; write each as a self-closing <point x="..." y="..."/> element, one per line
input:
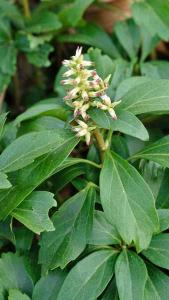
<point x="86" y="89"/>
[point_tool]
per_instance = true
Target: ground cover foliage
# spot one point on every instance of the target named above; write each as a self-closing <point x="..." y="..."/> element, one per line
<point x="84" y="179"/>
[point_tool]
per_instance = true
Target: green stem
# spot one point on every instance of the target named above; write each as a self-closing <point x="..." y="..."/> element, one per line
<point x="26" y="8"/>
<point x="100" y="142"/>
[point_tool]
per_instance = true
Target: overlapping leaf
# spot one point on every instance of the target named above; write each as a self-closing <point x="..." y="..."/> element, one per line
<point x="72" y="224"/>
<point x="131" y="276"/>
<point x="127" y="201"/>
<point x="27" y="179"/>
<point x="96" y="270"/>
<point x="33" y="211"/>
<point x="157" y="152"/>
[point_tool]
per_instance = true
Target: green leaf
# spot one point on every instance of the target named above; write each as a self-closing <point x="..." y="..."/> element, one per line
<point x="14" y="274"/>
<point x="152" y="96"/>
<point x="157" y="286"/>
<point x="126" y="123"/>
<point x="157" y="69"/>
<point x="9" y="11"/>
<point x="158" y="152"/>
<point x="128" y="84"/>
<point x="43" y="22"/>
<point x="103" y="233"/>
<point x="33" y="211"/>
<point x="111" y="292"/>
<point x="163" y="195"/>
<point x="4" y="182"/>
<point x="69" y="239"/>
<point x="89" y="277"/>
<point x="42" y="108"/>
<point x="150" y="292"/>
<point x="68" y="174"/>
<point x="27" y="179"/>
<point x="119" y="145"/>
<point x="131" y="276"/>
<point x="40" y="56"/>
<point x="17" y="295"/>
<point x="128" y="34"/>
<point x="153" y="16"/>
<point x="2" y="123"/>
<point x="149" y="42"/>
<point x="158" y="250"/>
<point x="7" y="57"/>
<point x="23" y="239"/>
<point x="93" y="35"/>
<point x="163" y="215"/>
<point x="103" y="63"/>
<point x="127" y="201"/>
<point x="25" y="149"/>
<point x="48" y="287"/>
<point x="71" y="15"/>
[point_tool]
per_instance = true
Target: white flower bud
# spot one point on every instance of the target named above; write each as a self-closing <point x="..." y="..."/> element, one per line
<point x="69" y="73"/>
<point x="112" y="113"/>
<point x="85" y="95"/>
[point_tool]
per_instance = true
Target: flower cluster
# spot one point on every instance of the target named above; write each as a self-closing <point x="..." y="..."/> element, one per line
<point x="88" y="90"/>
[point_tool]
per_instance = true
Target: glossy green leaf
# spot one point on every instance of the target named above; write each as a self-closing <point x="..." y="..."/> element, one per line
<point x="89" y="277"/>
<point x="6" y="232"/>
<point x="111" y="292"/>
<point x="153" y="16"/>
<point x="4" y="182"/>
<point x="42" y="108"/>
<point x="127" y="201"/>
<point x="131" y="276"/>
<point x="72" y="13"/>
<point x="33" y="211"/>
<point x="163" y="194"/>
<point x="150" y="292"/>
<point x="129" y="36"/>
<point x="43" y="22"/>
<point x="158" y="250"/>
<point x="67" y="175"/>
<point x="14" y="273"/>
<point x="2" y="122"/>
<point x="157" y="152"/>
<point x="103" y="63"/>
<point x="93" y="35"/>
<point x="25" y="149"/>
<point x="128" y="84"/>
<point x="15" y="294"/>
<point x="163" y="215"/>
<point x="69" y="239"/>
<point x="103" y="233"/>
<point x="119" y="145"/>
<point x="152" y="96"/>
<point x="126" y="123"/>
<point x="157" y="286"/>
<point x="23" y="239"/>
<point x="149" y="42"/>
<point x="48" y="287"/>
<point x="158" y="69"/>
<point x="27" y="179"/>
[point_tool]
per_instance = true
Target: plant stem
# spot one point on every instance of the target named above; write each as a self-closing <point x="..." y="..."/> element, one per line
<point x="26" y="8"/>
<point x="101" y="144"/>
<point x="109" y="137"/>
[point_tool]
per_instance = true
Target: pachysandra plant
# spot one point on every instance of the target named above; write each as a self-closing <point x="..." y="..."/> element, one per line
<point x="89" y="90"/>
<point x="109" y="239"/>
